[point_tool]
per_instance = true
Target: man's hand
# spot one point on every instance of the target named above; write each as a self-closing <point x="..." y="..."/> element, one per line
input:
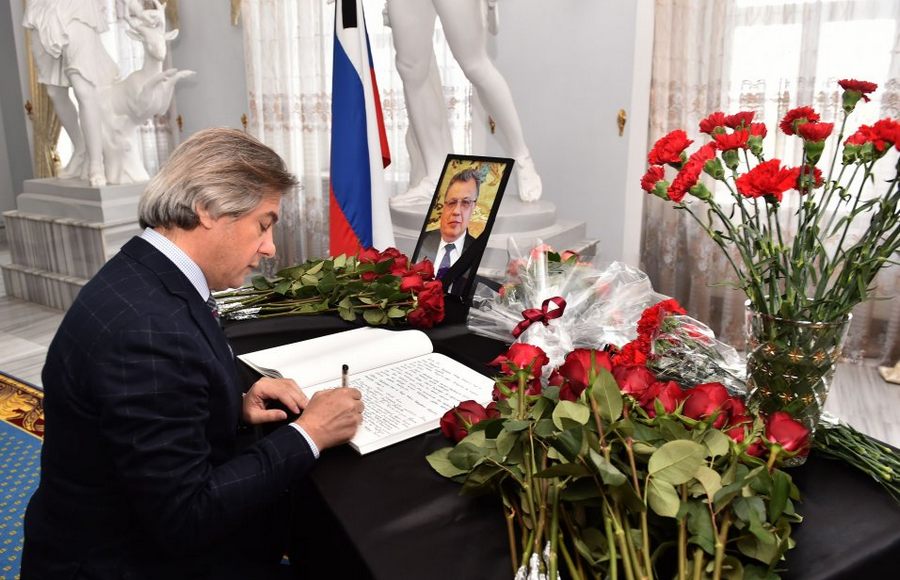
<point x="284" y="391"/>
<point x="332" y="417"/>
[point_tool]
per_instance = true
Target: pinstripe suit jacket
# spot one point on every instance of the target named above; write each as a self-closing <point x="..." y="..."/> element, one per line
<point x="140" y="475"/>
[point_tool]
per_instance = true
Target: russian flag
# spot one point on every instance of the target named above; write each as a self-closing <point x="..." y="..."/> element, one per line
<point x="359" y="211"/>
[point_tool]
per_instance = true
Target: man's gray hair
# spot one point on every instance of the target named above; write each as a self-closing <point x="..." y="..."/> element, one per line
<point x="224" y="171"/>
<point x="467" y="175"/>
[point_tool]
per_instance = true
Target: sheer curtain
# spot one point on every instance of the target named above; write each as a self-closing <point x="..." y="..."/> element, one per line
<point x="288" y="52"/>
<point x="768" y="57"/>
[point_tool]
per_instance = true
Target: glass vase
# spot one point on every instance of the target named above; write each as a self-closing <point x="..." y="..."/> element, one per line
<point x="791" y="364"/>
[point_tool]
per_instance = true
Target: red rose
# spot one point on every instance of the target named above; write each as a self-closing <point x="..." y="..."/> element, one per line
<point x="669" y="148"/>
<point x="522" y="356"/>
<point x="634" y="380"/>
<point x="492" y="411"/>
<point x="742" y="119"/>
<point x="797" y="116"/>
<point x="425" y="269"/>
<point x="704" y="401"/>
<point x="430" y="305"/>
<point x="567" y="255"/>
<point x="411" y="283"/>
<point x="576" y="369"/>
<point x="368" y="256"/>
<point x="786" y="431"/>
<point x="729" y="141"/>
<point x="712" y="122"/>
<point x="768" y="179"/>
<point x="456" y="422"/>
<point x="862" y="87"/>
<point x="669" y="394"/>
<point x="654" y="174"/>
<point x="369" y="276"/>
<point x="690" y="173"/>
<point x="815" y="131"/>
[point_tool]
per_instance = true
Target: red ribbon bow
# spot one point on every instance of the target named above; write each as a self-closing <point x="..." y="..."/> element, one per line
<point x="542" y="314"/>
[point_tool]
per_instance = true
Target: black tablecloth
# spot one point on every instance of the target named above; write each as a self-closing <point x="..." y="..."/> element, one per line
<point x="393" y="517"/>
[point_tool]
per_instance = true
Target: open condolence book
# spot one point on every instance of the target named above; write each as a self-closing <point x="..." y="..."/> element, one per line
<point x="406" y="387"/>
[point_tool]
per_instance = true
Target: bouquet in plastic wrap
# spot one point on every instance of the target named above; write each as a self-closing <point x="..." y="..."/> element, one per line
<point x="559" y="302"/>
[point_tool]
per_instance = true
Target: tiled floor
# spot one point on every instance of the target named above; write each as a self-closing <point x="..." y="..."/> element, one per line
<point x="859" y="396"/>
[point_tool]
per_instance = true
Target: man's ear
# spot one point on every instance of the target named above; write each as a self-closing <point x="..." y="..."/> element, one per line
<point x="205" y="217"/>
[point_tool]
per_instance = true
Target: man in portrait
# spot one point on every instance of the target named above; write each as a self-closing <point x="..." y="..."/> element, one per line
<point x="447" y="243"/>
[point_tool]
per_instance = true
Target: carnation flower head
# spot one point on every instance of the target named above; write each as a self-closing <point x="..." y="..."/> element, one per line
<point x="815" y="131"/>
<point x="768" y="179"/>
<point x="739" y="120"/>
<point x="669" y="148"/>
<point x="712" y="122"/>
<point x="797" y="116"/>
<point x="655" y="173"/>
<point x="690" y="173"/>
<point x="729" y="141"/>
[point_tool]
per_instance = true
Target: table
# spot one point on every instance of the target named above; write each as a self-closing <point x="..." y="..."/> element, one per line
<point x="393" y="517"/>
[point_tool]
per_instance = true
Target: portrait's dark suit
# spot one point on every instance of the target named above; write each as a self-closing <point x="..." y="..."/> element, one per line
<point x="140" y="472"/>
<point x="431" y="241"/>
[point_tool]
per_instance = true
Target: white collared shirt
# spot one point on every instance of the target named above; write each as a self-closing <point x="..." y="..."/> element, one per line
<point x="454" y="255"/>
<point x="195" y="276"/>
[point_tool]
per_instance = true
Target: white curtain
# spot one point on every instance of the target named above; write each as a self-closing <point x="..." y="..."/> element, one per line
<point x="288" y="52"/>
<point x="766" y="57"/>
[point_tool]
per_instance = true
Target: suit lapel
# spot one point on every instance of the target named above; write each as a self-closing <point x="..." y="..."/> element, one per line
<point x="178" y="285"/>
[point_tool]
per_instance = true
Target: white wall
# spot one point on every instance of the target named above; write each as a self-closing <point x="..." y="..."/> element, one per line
<point x="15" y="150"/>
<point x="208" y="44"/>
<point x="571" y="65"/>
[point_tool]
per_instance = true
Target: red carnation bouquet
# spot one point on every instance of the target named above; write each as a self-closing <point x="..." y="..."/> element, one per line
<point x="818" y="262"/>
<point x="384" y="288"/>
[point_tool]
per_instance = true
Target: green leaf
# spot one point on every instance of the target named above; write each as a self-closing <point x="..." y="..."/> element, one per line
<point x="605" y="391"/>
<point x="514" y="425"/>
<point x="676" y="462"/>
<point x="396" y="312"/>
<point x="642" y="448"/>
<point x="545" y="428"/>
<point x="309" y="279"/>
<point x="365" y="300"/>
<point x="506" y="440"/>
<point x="700" y="526"/>
<point x="314" y="269"/>
<point x="781" y="488"/>
<point x="710" y="480"/>
<point x="375" y="316"/>
<point x="260" y="283"/>
<point x="569" y="443"/>
<point x="441" y="463"/>
<point x="609" y="473"/>
<point x="283" y="286"/>
<point x="564" y="470"/>
<point x="570" y="410"/>
<point x="481" y="478"/>
<point x="580" y="490"/>
<point x="347" y="314"/>
<point x="340" y="261"/>
<point x="663" y="498"/>
<point x="717" y="443"/>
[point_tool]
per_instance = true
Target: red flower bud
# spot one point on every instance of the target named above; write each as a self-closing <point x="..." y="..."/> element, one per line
<point x="787" y="432"/>
<point x="456" y="422"/>
<point x="522" y="356"/>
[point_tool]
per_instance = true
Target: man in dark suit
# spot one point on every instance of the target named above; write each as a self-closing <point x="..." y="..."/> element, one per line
<point x="141" y="476"/>
<point x="446" y="244"/>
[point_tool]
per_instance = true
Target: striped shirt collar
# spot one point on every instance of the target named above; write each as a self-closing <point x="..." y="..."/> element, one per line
<point x="181" y="260"/>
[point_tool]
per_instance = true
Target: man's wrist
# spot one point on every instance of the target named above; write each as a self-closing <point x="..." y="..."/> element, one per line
<point x="312" y="444"/>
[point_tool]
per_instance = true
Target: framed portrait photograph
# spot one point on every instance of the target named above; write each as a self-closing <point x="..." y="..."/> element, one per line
<point x="459" y="220"/>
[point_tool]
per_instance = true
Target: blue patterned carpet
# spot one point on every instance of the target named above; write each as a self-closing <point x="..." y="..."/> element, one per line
<point x="21" y="416"/>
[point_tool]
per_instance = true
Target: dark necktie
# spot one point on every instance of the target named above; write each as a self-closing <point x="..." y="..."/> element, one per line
<point x="214" y="308"/>
<point x="445" y="261"/>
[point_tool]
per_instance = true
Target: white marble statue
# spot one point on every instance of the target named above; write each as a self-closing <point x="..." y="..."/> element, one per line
<point x="68" y="52"/>
<point x="146" y="92"/>
<point x="465" y="28"/>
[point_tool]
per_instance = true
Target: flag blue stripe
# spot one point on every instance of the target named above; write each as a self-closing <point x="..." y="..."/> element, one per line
<point x="350" y="177"/>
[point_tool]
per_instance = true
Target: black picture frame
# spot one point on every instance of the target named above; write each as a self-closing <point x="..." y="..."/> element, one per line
<point x="459" y="280"/>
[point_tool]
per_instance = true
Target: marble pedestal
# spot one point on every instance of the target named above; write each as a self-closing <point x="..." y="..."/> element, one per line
<point x="526" y="223"/>
<point x="61" y="233"/>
